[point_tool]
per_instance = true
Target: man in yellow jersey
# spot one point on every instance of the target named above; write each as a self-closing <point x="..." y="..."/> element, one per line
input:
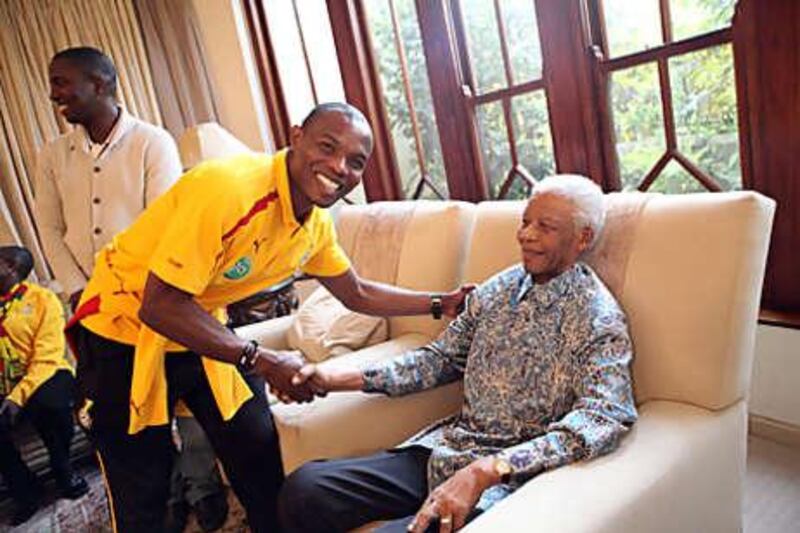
<point x="36" y="382"/>
<point x="93" y="182"/>
<point x="146" y="337"/>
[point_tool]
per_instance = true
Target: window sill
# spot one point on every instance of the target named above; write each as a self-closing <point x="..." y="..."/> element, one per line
<point x="784" y="319"/>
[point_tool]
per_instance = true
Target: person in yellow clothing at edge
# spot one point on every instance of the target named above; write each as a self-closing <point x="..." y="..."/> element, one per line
<point x="36" y="382"/>
<point x="147" y="332"/>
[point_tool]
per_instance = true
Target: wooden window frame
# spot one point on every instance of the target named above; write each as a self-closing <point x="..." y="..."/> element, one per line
<point x="575" y="77"/>
<point x="604" y="66"/>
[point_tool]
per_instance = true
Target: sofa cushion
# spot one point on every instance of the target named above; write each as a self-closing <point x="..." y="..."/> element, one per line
<point x="355" y="423"/>
<point x="428" y="254"/>
<point x="323" y="327"/>
<point x="680" y="469"/>
<point x="691" y="292"/>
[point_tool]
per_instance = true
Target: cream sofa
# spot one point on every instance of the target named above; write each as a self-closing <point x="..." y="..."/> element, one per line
<point x="687" y="270"/>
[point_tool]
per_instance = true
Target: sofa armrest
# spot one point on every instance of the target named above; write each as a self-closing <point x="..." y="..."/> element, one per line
<point x="680" y="469"/>
<point x="355" y="423"/>
<point x="270" y="333"/>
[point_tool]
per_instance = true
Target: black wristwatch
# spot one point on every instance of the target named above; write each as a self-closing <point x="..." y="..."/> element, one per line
<point x="248" y="357"/>
<point x="436" y="306"/>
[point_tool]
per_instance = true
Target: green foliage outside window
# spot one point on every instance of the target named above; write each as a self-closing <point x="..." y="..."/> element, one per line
<point x="704" y="100"/>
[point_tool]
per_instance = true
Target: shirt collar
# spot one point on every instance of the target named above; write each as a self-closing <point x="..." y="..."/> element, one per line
<point x="121" y="127"/>
<point x="554" y="289"/>
<point x="16" y="291"/>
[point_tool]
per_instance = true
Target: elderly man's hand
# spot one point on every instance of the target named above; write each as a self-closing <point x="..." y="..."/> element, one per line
<point x="278" y="368"/>
<point x="452" y="501"/>
<point x="324" y="380"/>
<point x="453" y="302"/>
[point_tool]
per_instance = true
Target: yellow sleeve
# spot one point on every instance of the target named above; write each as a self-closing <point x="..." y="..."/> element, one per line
<point x="48" y="348"/>
<point x="190" y="249"/>
<point x="328" y="259"/>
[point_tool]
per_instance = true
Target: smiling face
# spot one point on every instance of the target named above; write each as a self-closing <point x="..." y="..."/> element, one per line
<point x="328" y="158"/>
<point x="549" y="239"/>
<point x="76" y="94"/>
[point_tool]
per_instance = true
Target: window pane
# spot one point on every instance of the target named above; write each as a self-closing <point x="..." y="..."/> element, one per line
<point x="483" y="41"/>
<point x="632" y="25"/>
<point x="289" y="58"/>
<point x="638" y="121"/>
<point x="494" y="145"/>
<point x="380" y="26"/>
<point x="675" y="180"/>
<point x="704" y="100"/>
<point x="532" y="130"/>
<point x="321" y="50"/>
<point x="694" y="17"/>
<point x="522" y="32"/>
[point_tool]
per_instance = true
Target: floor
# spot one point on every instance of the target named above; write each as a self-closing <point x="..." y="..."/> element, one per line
<point x="772" y="489"/>
<point x="771" y="503"/>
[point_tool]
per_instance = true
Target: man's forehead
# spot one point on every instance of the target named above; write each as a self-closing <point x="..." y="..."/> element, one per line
<point x="341" y="127"/>
<point x="554" y="204"/>
<point x="63" y="66"/>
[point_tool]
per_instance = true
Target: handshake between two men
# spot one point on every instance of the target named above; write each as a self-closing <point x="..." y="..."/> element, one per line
<point x="296" y="380"/>
<point x="292" y="379"/>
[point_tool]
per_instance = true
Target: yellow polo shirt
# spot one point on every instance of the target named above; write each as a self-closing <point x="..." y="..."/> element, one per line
<point x="32" y="346"/>
<point x="223" y="232"/>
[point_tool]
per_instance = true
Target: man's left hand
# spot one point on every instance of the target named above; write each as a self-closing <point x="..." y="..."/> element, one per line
<point x="452" y="501"/>
<point x="9" y="413"/>
<point x="453" y="302"/>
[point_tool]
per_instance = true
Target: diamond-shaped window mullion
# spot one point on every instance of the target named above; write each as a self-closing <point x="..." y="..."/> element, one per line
<point x="425" y="180"/>
<point x="516" y="172"/>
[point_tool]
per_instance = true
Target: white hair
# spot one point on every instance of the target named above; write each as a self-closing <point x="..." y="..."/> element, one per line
<point x="585" y="195"/>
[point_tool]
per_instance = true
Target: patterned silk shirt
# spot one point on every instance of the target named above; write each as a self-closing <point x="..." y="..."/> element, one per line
<point x="546" y="372"/>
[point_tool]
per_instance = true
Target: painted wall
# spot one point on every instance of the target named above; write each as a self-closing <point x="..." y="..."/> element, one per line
<point x="232" y="71"/>
<point x="775" y="390"/>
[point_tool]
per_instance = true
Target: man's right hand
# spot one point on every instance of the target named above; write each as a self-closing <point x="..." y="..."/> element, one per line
<point x="278" y="368"/>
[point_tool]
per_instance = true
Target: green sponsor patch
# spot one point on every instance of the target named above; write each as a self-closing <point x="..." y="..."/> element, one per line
<point x="239" y="270"/>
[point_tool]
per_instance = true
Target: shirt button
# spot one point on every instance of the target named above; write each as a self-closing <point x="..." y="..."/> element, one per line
<point x="96" y="200"/>
<point x="97" y="169"/>
<point x="97" y="231"/>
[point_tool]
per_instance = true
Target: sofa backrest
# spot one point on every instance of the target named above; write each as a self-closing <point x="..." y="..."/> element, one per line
<point x="687" y="270"/>
<point x="418" y="245"/>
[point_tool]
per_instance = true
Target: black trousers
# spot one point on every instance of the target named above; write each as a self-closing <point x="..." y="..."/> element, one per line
<point x="343" y="494"/>
<point x="50" y="411"/>
<point x="137" y="467"/>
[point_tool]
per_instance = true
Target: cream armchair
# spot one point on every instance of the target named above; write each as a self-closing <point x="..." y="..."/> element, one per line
<point x="688" y="272"/>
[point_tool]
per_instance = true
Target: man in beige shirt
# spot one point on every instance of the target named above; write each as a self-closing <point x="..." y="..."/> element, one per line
<point x="93" y="183"/>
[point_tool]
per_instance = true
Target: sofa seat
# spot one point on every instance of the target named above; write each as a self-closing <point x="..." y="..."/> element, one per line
<point x="668" y="475"/>
<point x="325" y="428"/>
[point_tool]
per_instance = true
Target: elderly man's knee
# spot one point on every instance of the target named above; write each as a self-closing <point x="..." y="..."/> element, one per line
<point x="302" y="501"/>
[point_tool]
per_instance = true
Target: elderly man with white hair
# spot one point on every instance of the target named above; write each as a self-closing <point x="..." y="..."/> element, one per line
<point x="544" y="352"/>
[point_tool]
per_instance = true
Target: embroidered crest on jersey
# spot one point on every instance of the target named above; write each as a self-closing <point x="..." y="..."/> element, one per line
<point x="240" y="269"/>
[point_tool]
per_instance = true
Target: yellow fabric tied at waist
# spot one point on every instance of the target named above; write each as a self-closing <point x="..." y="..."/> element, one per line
<point x="148" y="400"/>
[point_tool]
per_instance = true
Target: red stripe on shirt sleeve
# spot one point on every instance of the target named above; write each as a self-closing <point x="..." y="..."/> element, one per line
<point x="259" y="206"/>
